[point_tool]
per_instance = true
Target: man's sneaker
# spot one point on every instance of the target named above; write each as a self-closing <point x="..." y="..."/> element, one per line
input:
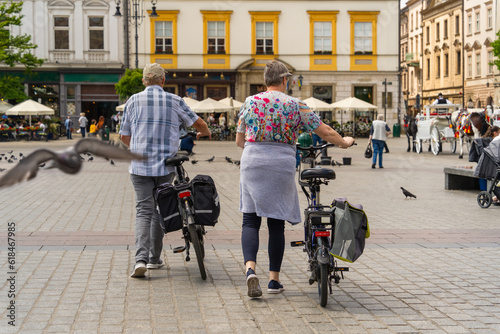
<point x="253" y="284"/>
<point x="158" y="265"/>
<point x="139" y="270"/>
<point x="274" y="287"/>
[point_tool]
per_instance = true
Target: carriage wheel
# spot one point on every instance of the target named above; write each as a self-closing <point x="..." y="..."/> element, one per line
<point x="435" y="141"/>
<point x="484" y="199"/>
<point x="453" y="146"/>
<point x="418" y="144"/>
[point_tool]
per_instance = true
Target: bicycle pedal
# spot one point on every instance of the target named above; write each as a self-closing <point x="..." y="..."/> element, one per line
<point x="179" y="249"/>
<point x="341" y="268"/>
<point x="297" y="243"/>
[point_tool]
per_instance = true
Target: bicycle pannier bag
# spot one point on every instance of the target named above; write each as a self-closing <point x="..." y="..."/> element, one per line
<point x="351" y="230"/>
<point x="167" y="205"/>
<point x="206" y="200"/>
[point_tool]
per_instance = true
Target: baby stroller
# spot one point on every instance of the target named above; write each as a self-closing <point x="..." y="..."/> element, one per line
<point x="488" y="167"/>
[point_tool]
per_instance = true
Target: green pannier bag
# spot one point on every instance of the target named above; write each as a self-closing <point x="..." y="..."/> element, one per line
<point x="351" y="230"/>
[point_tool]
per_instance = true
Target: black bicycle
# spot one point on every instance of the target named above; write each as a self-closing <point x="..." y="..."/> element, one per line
<point x="319" y="224"/>
<point x="192" y="233"/>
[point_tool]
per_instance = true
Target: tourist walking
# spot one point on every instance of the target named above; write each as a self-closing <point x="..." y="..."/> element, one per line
<point x="378" y="136"/>
<point x="83" y="121"/>
<point x="267" y="131"/>
<point x="68" y="123"/>
<point x="150" y="127"/>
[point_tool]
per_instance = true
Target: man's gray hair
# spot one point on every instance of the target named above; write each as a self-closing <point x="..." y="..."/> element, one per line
<point x="274" y="72"/>
<point x="380" y="117"/>
<point x="153" y="74"/>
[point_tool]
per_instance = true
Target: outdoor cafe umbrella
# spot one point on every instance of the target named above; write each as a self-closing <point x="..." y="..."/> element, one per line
<point x="352" y="103"/>
<point x="190" y="102"/>
<point x="29" y="108"/>
<point x="317" y="105"/>
<point x="121" y="107"/>
<point x="232" y="103"/>
<point x="210" y="106"/>
<point x="4" y="106"/>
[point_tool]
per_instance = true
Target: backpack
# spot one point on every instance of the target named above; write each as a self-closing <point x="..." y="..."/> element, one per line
<point x="205" y="200"/>
<point x="167" y="205"/>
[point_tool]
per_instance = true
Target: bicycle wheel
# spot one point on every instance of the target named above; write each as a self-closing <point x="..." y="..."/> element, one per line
<point x="198" y="247"/>
<point x="199" y="231"/>
<point x="323" y="284"/>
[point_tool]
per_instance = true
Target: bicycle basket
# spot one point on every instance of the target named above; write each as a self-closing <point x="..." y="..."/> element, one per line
<point x="167" y="205"/>
<point x="206" y="200"/>
<point x="351" y="230"/>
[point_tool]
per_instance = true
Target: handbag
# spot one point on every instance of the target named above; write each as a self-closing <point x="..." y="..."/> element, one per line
<point x="369" y="151"/>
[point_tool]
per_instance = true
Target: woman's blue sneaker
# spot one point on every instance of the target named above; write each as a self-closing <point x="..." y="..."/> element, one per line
<point x="253" y="284"/>
<point x="274" y="287"/>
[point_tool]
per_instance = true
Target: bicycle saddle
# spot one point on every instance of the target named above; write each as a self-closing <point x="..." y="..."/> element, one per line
<point x="177" y="160"/>
<point x="317" y="173"/>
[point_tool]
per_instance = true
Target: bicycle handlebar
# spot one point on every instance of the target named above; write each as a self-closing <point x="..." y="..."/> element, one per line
<point x="314" y="148"/>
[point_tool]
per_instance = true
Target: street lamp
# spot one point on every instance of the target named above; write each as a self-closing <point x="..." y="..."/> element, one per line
<point x="137" y="18"/>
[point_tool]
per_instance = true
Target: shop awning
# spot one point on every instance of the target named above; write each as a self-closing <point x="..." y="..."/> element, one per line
<point x="210" y="105"/>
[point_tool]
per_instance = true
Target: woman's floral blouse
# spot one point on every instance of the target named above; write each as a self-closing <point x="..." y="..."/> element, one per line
<point x="276" y="117"/>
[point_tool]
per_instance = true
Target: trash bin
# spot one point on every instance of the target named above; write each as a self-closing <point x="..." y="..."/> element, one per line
<point x="396" y="130"/>
<point x="106" y="133"/>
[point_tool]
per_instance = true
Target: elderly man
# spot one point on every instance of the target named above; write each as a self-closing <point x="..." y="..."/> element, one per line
<point x="150" y="126"/>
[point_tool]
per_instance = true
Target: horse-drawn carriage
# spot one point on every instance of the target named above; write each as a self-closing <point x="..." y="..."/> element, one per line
<point x="434" y="127"/>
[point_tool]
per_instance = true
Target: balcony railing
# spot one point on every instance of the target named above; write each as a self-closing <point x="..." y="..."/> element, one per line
<point x="61" y="56"/>
<point x="413" y="59"/>
<point x="96" y="56"/>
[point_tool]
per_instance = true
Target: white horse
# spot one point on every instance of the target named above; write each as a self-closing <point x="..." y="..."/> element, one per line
<point x="467" y="131"/>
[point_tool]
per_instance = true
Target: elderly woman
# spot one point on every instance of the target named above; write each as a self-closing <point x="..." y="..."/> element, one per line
<point x="268" y="127"/>
<point x="378" y="136"/>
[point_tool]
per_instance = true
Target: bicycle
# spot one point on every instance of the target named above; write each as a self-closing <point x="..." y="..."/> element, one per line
<point x="319" y="224"/>
<point x="191" y="232"/>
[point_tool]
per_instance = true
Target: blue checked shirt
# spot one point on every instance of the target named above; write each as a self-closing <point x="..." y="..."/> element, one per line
<point x="152" y="118"/>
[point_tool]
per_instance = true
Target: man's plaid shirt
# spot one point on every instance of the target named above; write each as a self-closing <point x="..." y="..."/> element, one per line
<point x="152" y="118"/>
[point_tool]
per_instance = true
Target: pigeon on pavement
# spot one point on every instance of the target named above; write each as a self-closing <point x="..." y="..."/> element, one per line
<point x="229" y="160"/>
<point x="194" y="162"/>
<point x="67" y="161"/>
<point x="211" y="159"/>
<point x="407" y="193"/>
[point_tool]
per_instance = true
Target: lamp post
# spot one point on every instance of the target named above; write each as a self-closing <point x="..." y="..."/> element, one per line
<point x="136" y="18"/>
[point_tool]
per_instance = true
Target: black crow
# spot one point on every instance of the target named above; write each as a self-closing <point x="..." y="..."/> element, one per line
<point x="67" y="161"/>
<point x="407" y="193"/>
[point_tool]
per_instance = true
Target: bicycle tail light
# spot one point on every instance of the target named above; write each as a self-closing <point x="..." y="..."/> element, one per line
<point x="185" y="193"/>
<point x="322" y="233"/>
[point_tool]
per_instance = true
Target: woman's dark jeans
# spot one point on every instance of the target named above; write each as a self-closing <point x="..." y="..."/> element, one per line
<point x="250" y="239"/>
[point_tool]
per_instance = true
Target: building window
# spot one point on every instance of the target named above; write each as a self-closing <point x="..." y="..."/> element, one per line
<point x="457" y="25"/>
<point x="264" y="32"/>
<point x="437" y="31"/>
<point x="164" y="37"/>
<point x="411" y="28"/>
<point x="490" y="18"/>
<point x="469" y="66"/>
<point x="478" y="23"/>
<point x="478" y="64"/>
<point x="216" y="37"/>
<point x="322" y="37"/>
<point x="428" y="68"/>
<point x="446" y="64"/>
<point x="459" y="62"/>
<point x="363" y="38"/>
<point x="427" y="34"/>
<point x="469" y="24"/>
<point x="96" y="33"/>
<point x="445" y="27"/>
<point x="490" y="62"/>
<point x="61" y="33"/>
<point x="438" y="66"/>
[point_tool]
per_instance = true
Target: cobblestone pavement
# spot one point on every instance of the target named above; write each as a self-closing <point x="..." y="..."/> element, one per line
<point x="432" y="265"/>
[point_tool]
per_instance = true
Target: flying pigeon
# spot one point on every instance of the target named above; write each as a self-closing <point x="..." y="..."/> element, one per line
<point x="408" y="194"/>
<point x="211" y="159"/>
<point x="67" y="161"/>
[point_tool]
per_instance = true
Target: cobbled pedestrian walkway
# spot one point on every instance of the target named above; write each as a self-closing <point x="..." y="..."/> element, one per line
<point x="432" y="265"/>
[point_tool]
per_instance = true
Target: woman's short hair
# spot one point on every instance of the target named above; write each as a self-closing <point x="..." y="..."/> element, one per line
<point x="495" y="129"/>
<point x="380" y="117"/>
<point x="274" y="72"/>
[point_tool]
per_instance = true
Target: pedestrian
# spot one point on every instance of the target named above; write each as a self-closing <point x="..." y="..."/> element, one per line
<point x="150" y="127"/>
<point x="100" y="127"/>
<point x="378" y="136"/>
<point x="92" y="128"/>
<point x="211" y="119"/>
<point x="68" y="123"/>
<point x="83" y="121"/>
<point x="267" y="131"/>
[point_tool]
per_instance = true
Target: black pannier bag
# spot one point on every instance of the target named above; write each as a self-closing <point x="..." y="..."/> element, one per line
<point x="167" y="205"/>
<point x="206" y="200"/>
